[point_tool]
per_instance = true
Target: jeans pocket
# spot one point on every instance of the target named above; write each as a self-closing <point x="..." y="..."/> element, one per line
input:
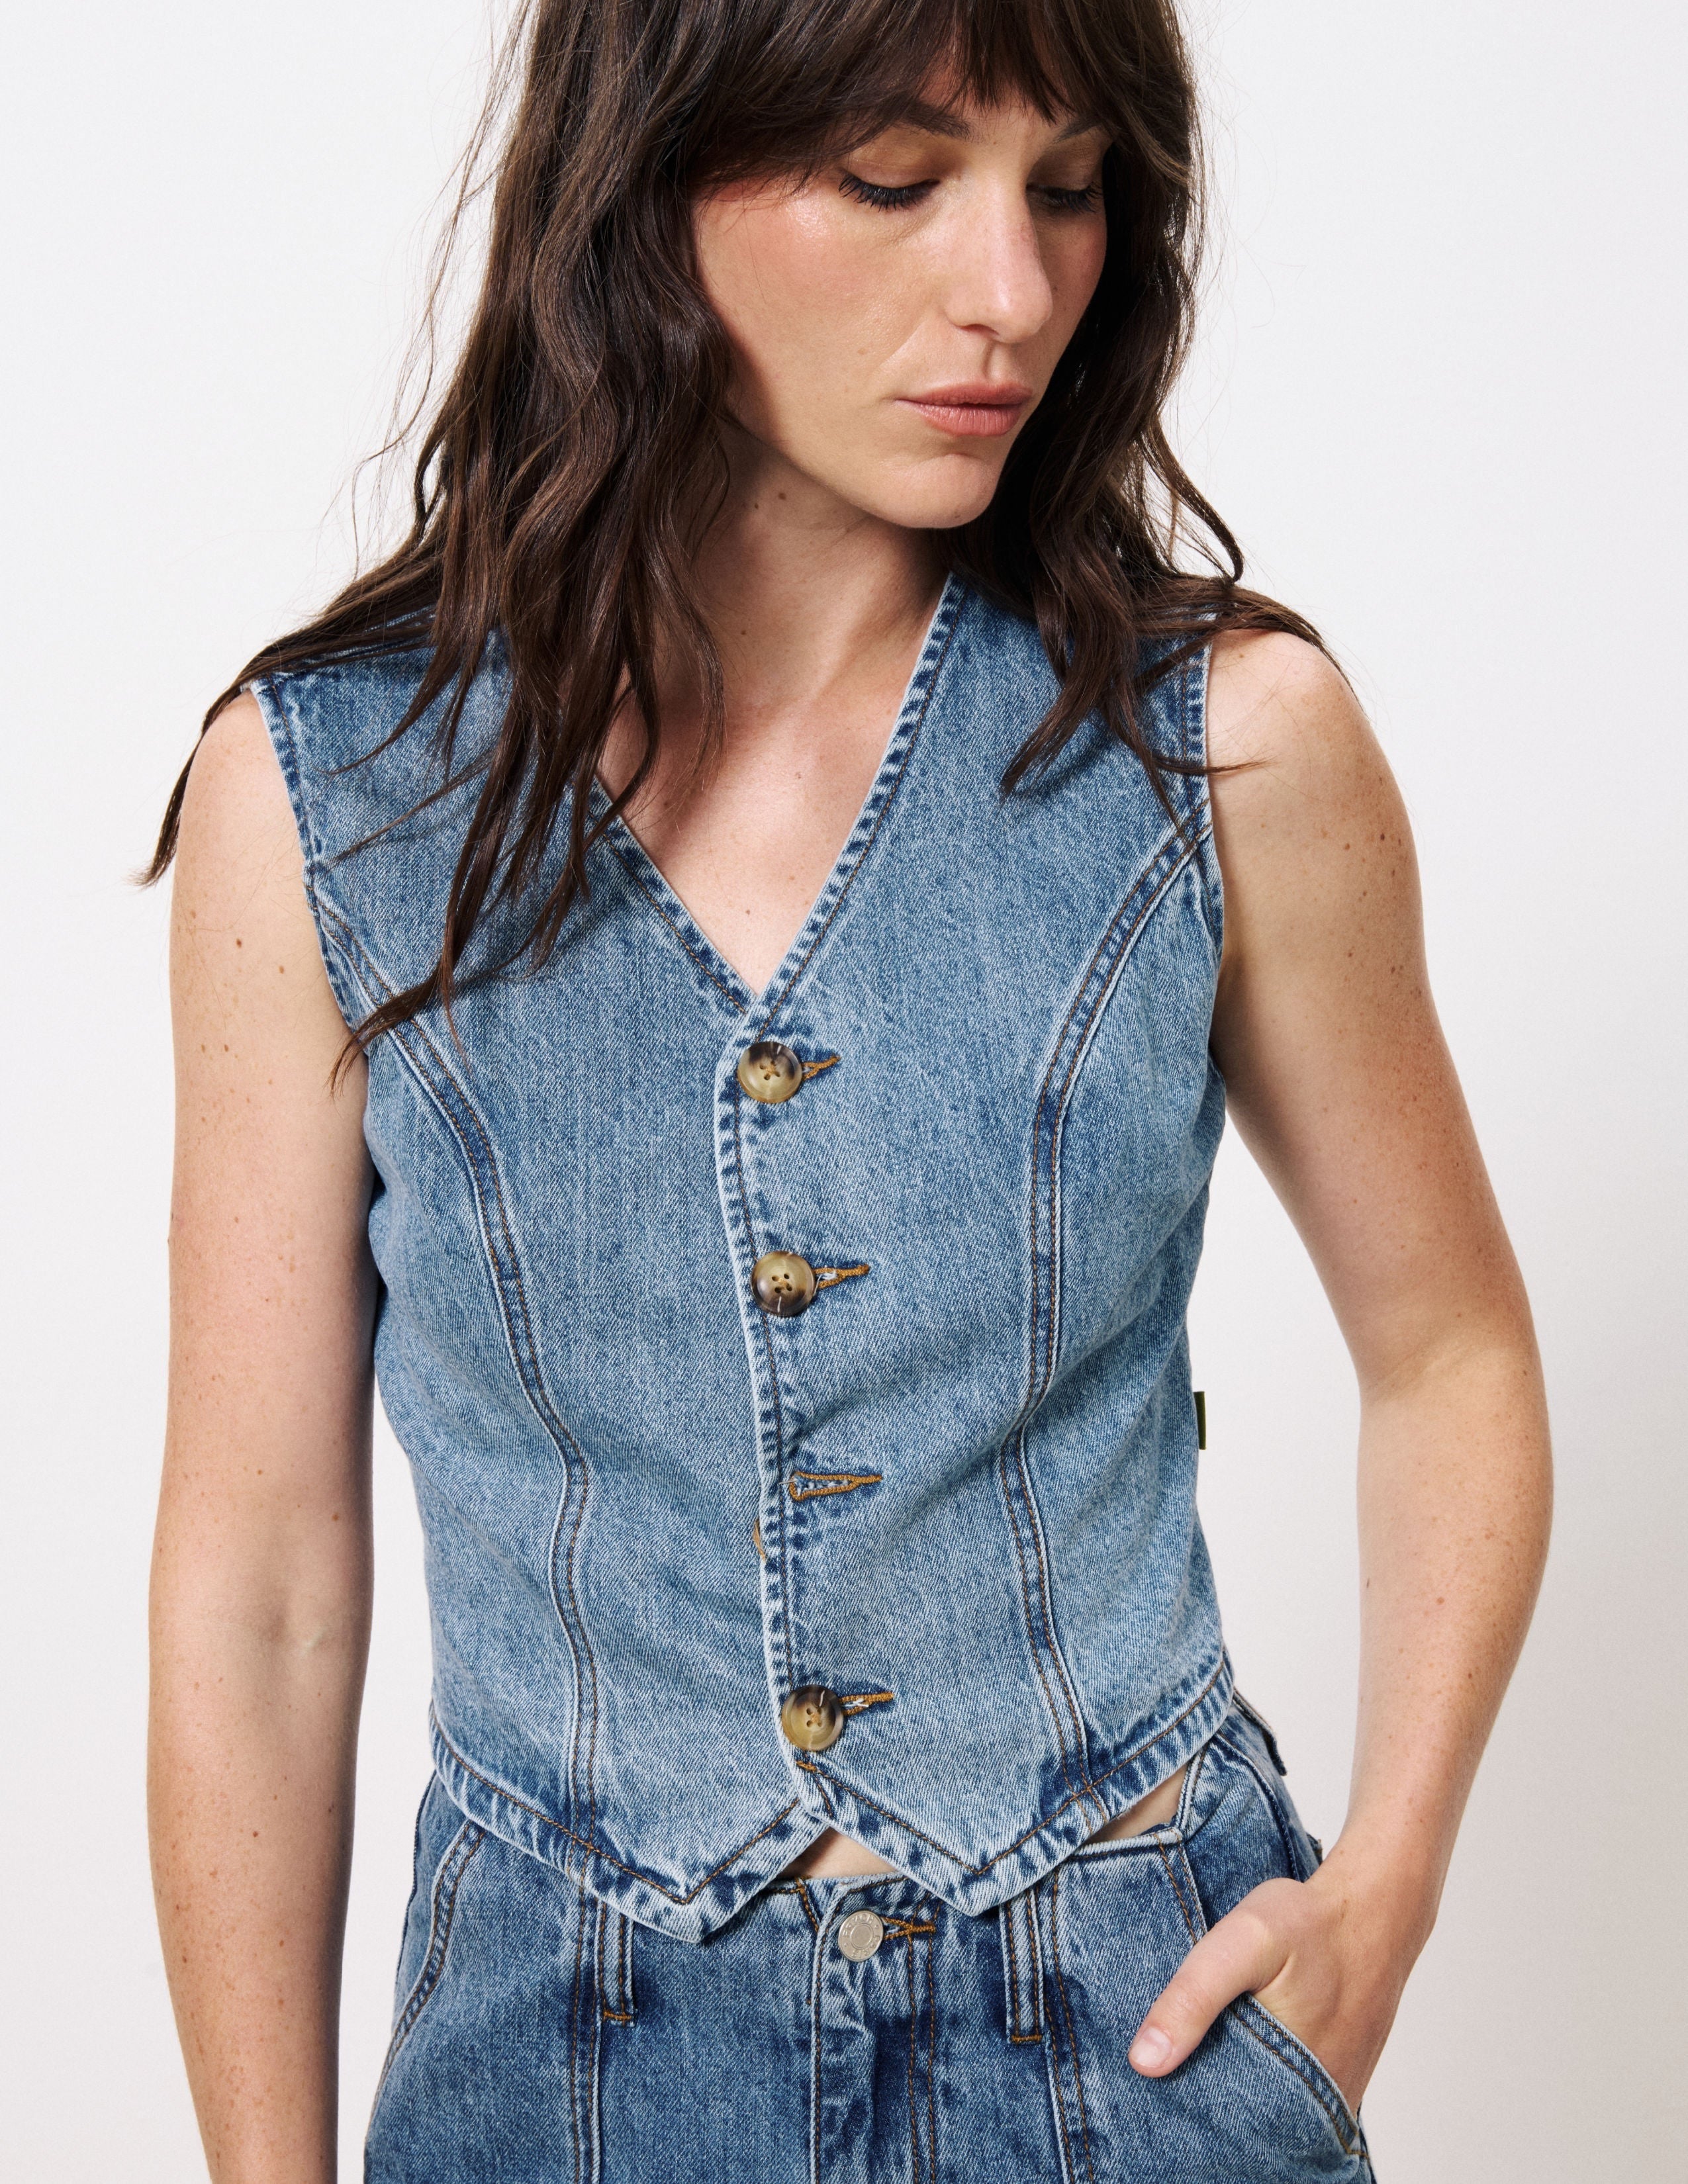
<point x="1248" y="1831"/>
<point x="1278" y="2042"/>
<point x="1249" y="2104"/>
<point x="442" y="1907"/>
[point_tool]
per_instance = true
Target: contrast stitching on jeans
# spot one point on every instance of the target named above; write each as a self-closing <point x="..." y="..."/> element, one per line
<point x="1009" y="1951"/>
<point x="903" y="1927"/>
<point x="1060" y="2106"/>
<point x="825" y="1062"/>
<point x="830" y="1482"/>
<point x="887" y="1812"/>
<point x="576" y="2009"/>
<point x="1291" y="1856"/>
<point x="828" y="1278"/>
<point x="914" y="2048"/>
<point x="931" y="2058"/>
<point x="859" y="1701"/>
<point x="887" y="792"/>
<point x="815" y="1976"/>
<point x="1034" y="1951"/>
<point x="1028" y="1992"/>
<point x="1343" y="2121"/>
<point x="525" y="1347"/>
<point x="1177" y="1891"/>
<point x="626" y="1997"/>
<point x="674" y="1895"/>
<point x="448" y="1873"/>
<point x="1066" y="2013"/>
<point x="624" y="2015"/>
<point x="803" y="1898"/>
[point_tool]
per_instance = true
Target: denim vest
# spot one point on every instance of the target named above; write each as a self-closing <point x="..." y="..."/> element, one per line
<point x="952" y="1503"/>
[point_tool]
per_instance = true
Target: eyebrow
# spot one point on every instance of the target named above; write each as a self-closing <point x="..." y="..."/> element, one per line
<point x="944" y="121"/>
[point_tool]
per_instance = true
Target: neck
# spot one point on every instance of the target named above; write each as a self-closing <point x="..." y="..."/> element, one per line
<point x="802" y="591"/>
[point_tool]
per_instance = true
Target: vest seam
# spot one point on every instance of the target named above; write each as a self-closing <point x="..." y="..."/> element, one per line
<point x="591" y="1708"/>
<point x="973" y="1872"/>
<point x="1145" y="895"/>
<point x="591" y="1849"/>
<point x="543" y="1408"/>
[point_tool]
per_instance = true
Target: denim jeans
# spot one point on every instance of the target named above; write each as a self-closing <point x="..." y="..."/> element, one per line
<point x="848" y="2031"/>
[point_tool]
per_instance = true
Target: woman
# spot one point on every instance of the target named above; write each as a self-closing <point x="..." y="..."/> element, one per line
<point x="805" y="875"/>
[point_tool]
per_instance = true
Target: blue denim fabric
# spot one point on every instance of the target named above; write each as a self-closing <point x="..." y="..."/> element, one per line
<point x="973" y="1466"/>
<point x="541" y="2036"/>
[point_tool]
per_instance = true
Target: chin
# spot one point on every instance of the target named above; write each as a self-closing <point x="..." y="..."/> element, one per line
<point x="936" y="497"/>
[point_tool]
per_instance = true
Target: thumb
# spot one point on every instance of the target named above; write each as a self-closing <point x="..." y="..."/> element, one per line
<point x="1236" y="1957"/>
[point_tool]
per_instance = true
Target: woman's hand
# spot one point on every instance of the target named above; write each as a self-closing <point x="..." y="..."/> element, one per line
<point x="1328" y="1961"/>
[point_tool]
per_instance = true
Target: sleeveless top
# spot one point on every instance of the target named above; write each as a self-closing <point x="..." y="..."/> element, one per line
<point x="951" y="1504"/>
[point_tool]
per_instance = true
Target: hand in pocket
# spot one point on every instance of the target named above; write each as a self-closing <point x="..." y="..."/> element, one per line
<point x="1319" y="1958"/>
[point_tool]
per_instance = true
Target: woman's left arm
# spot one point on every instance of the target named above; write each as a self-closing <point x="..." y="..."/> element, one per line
<point x="1343" y="1090"/>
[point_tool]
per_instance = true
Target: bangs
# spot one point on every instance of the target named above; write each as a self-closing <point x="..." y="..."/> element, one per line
<point x="802" y="85"/>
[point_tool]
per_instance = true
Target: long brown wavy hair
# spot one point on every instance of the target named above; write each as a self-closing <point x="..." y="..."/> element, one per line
<point x="563" y="478"/>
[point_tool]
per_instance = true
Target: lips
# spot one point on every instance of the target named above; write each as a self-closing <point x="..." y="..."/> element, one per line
<point x="977" y="409"/>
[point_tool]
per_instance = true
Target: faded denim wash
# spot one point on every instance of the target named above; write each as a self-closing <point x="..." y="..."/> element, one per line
<point x="971" y="1466"/>
<point x="543" y="2037"/>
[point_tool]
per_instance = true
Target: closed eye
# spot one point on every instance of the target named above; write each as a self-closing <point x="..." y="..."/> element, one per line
<point x="882" y="194"/>
<point x="900" y="199"/>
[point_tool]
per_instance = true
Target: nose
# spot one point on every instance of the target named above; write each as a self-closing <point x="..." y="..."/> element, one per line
<point x="999" y="283"/>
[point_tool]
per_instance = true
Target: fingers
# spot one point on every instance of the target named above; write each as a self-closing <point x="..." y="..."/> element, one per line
<point x="1242" y="1952"/>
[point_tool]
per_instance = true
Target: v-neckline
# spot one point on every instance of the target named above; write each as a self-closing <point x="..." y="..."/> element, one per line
<point x="647" y="874"/>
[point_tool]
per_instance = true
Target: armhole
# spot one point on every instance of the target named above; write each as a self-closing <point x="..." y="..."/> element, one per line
<point x="272" y="704"/>
<point x="1196" y="676"/>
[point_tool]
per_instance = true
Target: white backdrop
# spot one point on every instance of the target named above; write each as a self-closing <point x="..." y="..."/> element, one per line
<point x="1440" y="399"/>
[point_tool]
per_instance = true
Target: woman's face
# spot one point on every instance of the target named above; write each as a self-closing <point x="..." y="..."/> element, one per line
<point x="895" y="320"/>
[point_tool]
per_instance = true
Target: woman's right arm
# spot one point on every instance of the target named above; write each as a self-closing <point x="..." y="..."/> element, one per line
<point x="261" y="1574"/>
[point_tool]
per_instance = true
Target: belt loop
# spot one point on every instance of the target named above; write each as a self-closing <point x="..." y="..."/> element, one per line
<point x="616" y="1965"/>
<point x="1021" y="1965"/>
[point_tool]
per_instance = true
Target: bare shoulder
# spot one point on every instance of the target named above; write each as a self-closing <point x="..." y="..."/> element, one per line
<point x="1276" y="700"/>
<point x="243" y="942"/>
<point x="237" y="802"/>
<point x="1310" y="827"/>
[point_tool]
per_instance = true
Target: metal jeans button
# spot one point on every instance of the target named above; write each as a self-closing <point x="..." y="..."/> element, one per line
<point x="861" y="1934"/>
